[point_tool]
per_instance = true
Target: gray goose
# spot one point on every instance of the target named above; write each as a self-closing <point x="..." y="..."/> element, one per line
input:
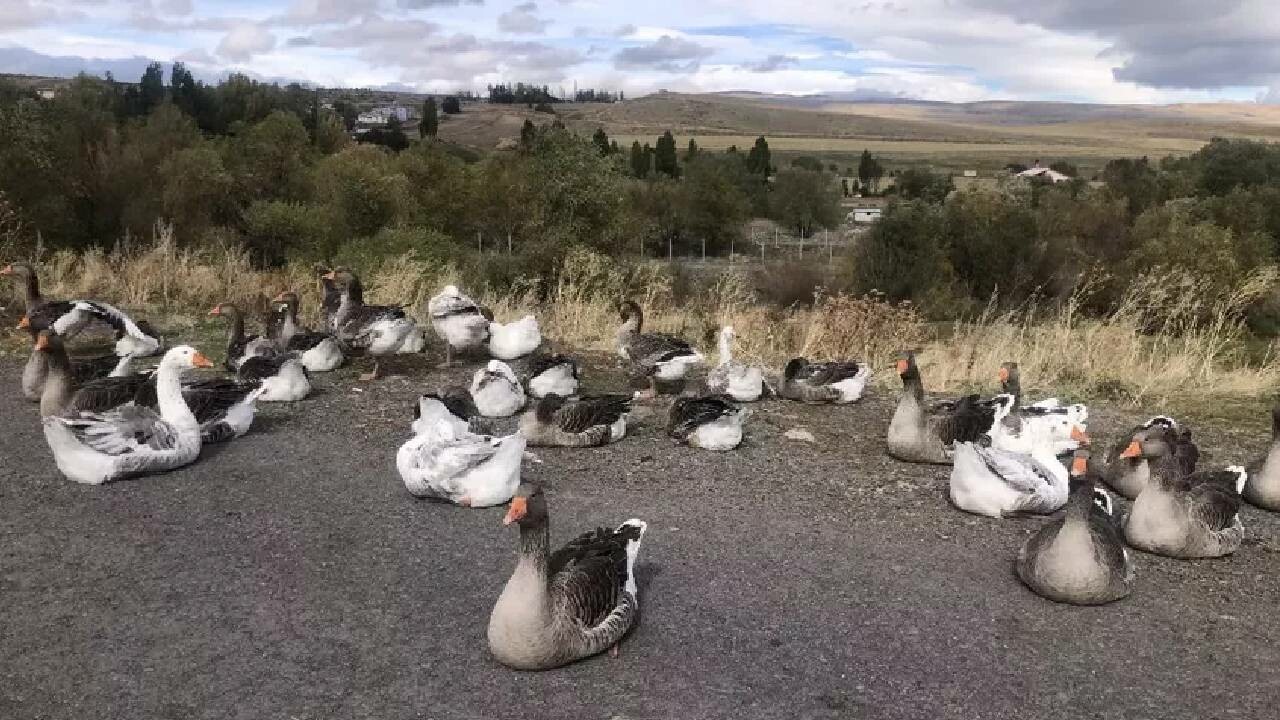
<point x="1129" y="475"/>
<point x="318" y="352"/>
<point x="36" y="371"/>
<point x="586" y="422"/>
<point x="1263" y="487"/>
<point x="1178" y="514"/>
<point x="564" y="606"/>
<point x="653" y="356"/>
<point x="65" y="391"/>
<point x="1079" y="558"/>
<point x="916" y="435"/>
<point x="825" y="382"/>
<point x="710" y="422"/>
<point x="240" y="347"/>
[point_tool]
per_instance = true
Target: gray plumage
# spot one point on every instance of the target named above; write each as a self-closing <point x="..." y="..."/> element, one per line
<point x="586" y="422"/>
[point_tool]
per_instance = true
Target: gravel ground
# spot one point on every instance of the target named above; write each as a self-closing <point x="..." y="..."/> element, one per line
<point x="289" y="575"/>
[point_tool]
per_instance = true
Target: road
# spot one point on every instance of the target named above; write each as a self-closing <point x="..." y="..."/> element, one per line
<point x="289" y="575"/>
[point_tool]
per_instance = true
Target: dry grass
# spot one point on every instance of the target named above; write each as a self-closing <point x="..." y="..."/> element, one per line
<point x="1167" y="339"/>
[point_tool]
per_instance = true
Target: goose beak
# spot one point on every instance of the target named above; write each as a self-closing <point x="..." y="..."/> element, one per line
<point x="1079" y="435"/>
<point x="279" y="298"/>
<point x="1132" y="451"/>
<point x="8" y="270"/>
<point x="1078" y="466"/>
<point x="902" y="366"/>
<point x="201" y="361"/>
<point x="519" y="507"/>
<point x="42" y="342"/>
<point x="331" y="275"/>
<point x="1003" y="375"/>
<point x="216" y="311"/>
<point x="25" y="322"/>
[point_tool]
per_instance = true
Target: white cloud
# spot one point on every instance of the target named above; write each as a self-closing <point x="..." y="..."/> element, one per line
<point x="244" y="41"/>
<point x="522" y="20"/>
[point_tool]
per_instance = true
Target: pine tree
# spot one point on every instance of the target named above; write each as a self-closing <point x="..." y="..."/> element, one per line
<point x="758" y="160"/>
<point x="692" y="151"/>
<point x="613" y="147"/>
<point x="430" y="123"/>
<point x="601" y="140"/>
<point x="664" y="156"/>
<point x="639" y="163"/>
<point x="151" y="88"/>
<point x="648" y="160"/>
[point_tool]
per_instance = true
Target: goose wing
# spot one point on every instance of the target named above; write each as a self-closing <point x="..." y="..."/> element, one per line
<point x="592" y="411"/>
<point x="448" y="304"/>
<point x="1018" y="471"/>
<point x="829" y="373"/>
<point x="539" y="364"/>
<point x="304" y="341"/>
<point x="48" y="315"/>
<point x="690" y="413"/>
<point x="120" y="321"/>
<point x="649" y="349"/>
<point x="106" y="393"/>
<point x="122" y="431"/>
<point x="1214" y="498"/>
<point x="967" y="421"/>
<point x="261" y="367"/>
<point x="87" y="369"/>
<point x="212" y="398"/>
<point x="587" y="574"/>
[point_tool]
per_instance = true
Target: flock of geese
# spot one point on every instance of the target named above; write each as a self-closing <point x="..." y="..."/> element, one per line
<point x="104" y="419"/>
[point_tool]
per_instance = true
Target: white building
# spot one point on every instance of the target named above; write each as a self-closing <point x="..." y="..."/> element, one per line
<point x="1043" y="173"/>
<point x="383" y="115"/>
<point x="864" y="215"/>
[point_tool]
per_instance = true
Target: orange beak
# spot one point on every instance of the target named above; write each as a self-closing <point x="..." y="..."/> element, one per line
<point x="1078" y="466"/>
<point x="1079" y="435"/>
<point x="1003" y="375"/>
<point x="217" y="310"/>
<point x="279" y="298"/>
<point x="201" y="361"/>
<point x="42" y="342"/>
<point x="1132" y="451"/>
<point x="519" y="507"/>
<point x="25" y="322"/>
<point x="331" y="275"/>
<point x="8" y="270"/>
<point x="902" y="366"/>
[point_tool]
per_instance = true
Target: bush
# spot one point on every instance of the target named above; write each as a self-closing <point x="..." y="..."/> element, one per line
<point x="277" y="230"/>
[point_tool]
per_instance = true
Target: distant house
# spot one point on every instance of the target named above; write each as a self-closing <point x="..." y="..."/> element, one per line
<point x="864" y="215"/>
<point x="380" y="116"/>
<point x="1043" y="173"/>
<point x="47" y="93"/>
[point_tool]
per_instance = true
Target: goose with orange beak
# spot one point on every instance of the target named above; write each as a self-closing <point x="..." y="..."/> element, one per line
<point x="1179" y="513"/>
<point x="93" y="448"/>
<point x="1079" y="558"/>
<point x="919" y="436"/>
<point x="987" y="480"/>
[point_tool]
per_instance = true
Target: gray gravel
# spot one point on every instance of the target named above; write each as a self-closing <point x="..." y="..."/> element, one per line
<point x="289" y="575"/>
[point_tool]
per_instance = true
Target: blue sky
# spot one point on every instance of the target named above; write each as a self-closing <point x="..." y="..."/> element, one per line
<point x="950" y="50"/>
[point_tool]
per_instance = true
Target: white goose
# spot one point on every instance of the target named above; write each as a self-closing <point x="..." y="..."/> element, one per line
<point x="445" y="460"/>
<point x="93" y="448"/>
<point x="741" y="382"/>
<point x="496" y="391"/>
<point x="514" y="339"/>
<point x="551" y="375"/>
<point x="458" y="320"/>
<point x="710" y="422"/>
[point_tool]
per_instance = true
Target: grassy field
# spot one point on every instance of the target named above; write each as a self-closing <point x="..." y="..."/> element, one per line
<point x="948" y="137"/>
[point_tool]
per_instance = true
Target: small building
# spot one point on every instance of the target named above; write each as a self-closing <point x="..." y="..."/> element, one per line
<point x="382" y="115"/>
<point x="864" y="215"/>
<point x="1043" y="173"/>
<point x="971" y="173"/>
<point x="47" y="93"/>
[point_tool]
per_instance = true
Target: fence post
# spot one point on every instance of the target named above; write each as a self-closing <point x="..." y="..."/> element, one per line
<point x="704" y="249"/>
<point x="479" y="243"/>
<point x="669" y="255"/>
<point x="802" y="246"/>
<point x="508" y="242"/>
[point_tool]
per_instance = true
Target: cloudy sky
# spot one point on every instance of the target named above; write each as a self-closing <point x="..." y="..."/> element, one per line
<point x="956" y="50"/>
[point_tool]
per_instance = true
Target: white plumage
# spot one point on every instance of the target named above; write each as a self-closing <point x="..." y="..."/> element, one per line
<point x="446" y="460"/>
<point x="496" y="391"/>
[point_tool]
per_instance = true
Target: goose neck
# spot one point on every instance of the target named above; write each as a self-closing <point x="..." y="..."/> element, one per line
<point x="726" y="349"/>
<point x="58" y="389"/>
<point x="535" y="545"/>
<point x="173" y="407"/>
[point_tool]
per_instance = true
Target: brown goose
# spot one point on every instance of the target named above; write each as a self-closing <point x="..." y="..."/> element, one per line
<point x="654" y="356"/>
<point x="240" y="347"/>
<point x="319" y="352"/>
<point x="563" y="606"/>
<point x="1079" y="558"/>
<point x="1178" y="514"/>
<point x="66" y="391"/>
<point x="1263" y="487"/>
<point x="586" y="422"/>
<point x="36" y="372"/>
<point x="916" y="435"/>
<point x="1129" y="475"/>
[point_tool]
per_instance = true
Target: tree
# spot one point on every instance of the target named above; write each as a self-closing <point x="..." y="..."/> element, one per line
<point x="921" y="184"/>
<point x="807" y="162"/>
<point x="151" y="88"/>
<point x="639" y="163"/>
<point x="601" y="140"/>
<point x="613" y="147"/>
<point x="711" y="204"/>
<point x="902" y="257"/>
<point x="664" y="156"/>
<point x="430" y="124"/>
<point x="758" y="160"/>
<point x="844" y="187"/>
<point x="869" y="171"/>
<point x="451" y="106"/>
<point x="805" y="200"/>
<point x="1135" y="181"/>
<point x="692" y="151"/>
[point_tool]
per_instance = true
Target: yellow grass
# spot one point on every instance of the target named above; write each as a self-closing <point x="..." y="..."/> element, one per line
<point x="1167" y="339"/>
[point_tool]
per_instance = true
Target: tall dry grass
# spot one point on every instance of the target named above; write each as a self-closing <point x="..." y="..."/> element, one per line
<point x="1167" y="337"/>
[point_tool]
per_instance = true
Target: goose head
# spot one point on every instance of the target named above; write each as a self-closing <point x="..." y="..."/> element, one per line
<point x="1153" y="442"/>
<point x="1010" y="379"/>
<point x="528" y="506"/>
<point x="287" y="300"/>
<point x="794" y="367"/>
<point x="226" y="310"/>
<point x="48" y="342"/>
<point x="19" y="270"/>
<point x="184" y="357"/>
<point x="907" y="369"/>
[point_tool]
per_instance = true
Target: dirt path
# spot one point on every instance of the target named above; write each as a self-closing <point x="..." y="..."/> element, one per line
<point x="289" y="575"/>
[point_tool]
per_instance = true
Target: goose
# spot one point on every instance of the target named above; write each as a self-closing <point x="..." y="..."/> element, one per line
<point x="547" y="374"/>
<point x="829" y="382"/>
<point x="377" y="329"/>
<point x="93" y="448"/>
<point x="134" y="338"/>
<point x="743" y="383"/>
<point x="318" y="352"/>
<point x="283" y="377"/>
<point x="710" y="422"/>
<point x="1180" y="514"/>
<point x="446" y="461"/>
<point x="1263" y="488"/>
<point x="1080" y="558"/>
<point x="63" y="391"/>
<point x="986" y="480"/>
<point x="1057" y="432"/>
<point x="35" y="372"/>
<point x="1129" y="475"/>
<point x="240" y="347"/>
<point x="457" y="400"/>
<point x="514" y="339"/>
<point x="459" y="321"/>
<point x="1045" y="412"/>
<point x="41" y="312"/>
<point x="564" y="606"/>
<point x="496" y="391"/>
<point x="918" y="436"/>
<point x="330" y="298"/>
<point x="586" y="422"/>
<point x="654" y="356"/>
